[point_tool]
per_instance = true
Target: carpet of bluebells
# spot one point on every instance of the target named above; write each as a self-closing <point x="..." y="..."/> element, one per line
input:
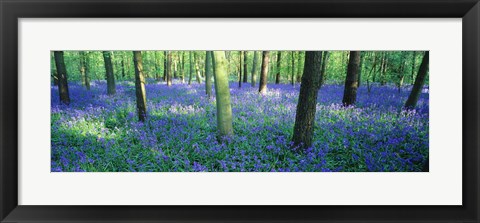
<point x="100" y="133"/>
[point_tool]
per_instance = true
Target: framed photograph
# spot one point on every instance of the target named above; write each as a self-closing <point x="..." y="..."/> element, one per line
<point x="228" y="111"/>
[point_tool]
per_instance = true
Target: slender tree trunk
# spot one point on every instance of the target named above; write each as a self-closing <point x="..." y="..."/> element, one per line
<point x="307" y="100"/>
<point x="279" y="61"/>
<point x="299" y="67"/>
<point x="240" y="53"/>
<point x="245" y="63"/>
<point x="157" y="66"/>
<point x="414" y="56"/>
<point x="323" y="70"/>
<point x="197" y="68"/>
<point x="62" y="77"/>
<point x="372" y="70"/>
<point x="182" y="67"/>
<point x="191" y="68"/>
<point x="84" y="70"/>
<point x="254" y="68"/>
<point x="123" y="69"/>
<point x="222" y="92"/>
<point x="165" y="65"/>
<point x="168" y="67"/>
<point x="293" y="68"/>
<point x="208" y="73"/>
<point x="351" y="81"/>
<point x="360" y="69"/>
<point x="140" y="92"/>
<point x="263" y="75"/>
<point x="107" y="57"/>
<point x="419" y="81"/>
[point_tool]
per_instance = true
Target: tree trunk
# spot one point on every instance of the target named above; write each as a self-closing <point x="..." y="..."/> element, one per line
<point x="168" y="70"/>
<point x="418" y="85"/>
<point x="222" y="92"/>
<point x="208" y="73"/>
<point x="263" y="75"/>
<point x="84" y="70"/>
<point x="240" y="53"/>
<point x="62" y="77"/>
<point x="360" y="70"/>
<point x="245" y="63"/>
<point x="351" y="81"/>
<point x="307" y="101"/>
<point x="279" y="61"/>
<point x="293" y="68"/>
<point x="182" y="67"/>
<point x="190" y="74"/>
<point x="414" y="56"/>
<point x="254" y="68"/>
<point x="107" y="58"/>
<point x="299" y="67"/>
<point x="197" y="69"/>
<point x="140" y="92"/>
<point x="323" y="70"/>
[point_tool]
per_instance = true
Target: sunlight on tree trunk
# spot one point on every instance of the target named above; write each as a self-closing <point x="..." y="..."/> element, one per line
<point x="351" y="81"/>
<point x="254" y="68"/>
<point x="263" y="75"/>
<point x="208" y="73"/>
<point x="140" y="92"/>
<point x="307" y="101"/>
<point x="279" y="60"/>
<point x="222" y="92"/>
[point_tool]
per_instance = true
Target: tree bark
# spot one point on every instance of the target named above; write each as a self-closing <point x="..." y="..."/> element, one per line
<point x="245" y="75"/>
<point x="62" y="77"/>
<point x="208" y="73"/>
<point x="140" y="92"/>
<point x="293" y="68"/>
<point x="307" y="101"/>
<point x="279" y="61"/>
<point x="168" y="70"/>
<point x="84" y="70"/>
<point x="190" y="74"/>
<point x="254" y="68"/>
<point x="222" y="92"/>
<point x="197" y="69"/>
<point x="107" y="57"/>
<point x="351" y="81"/>
<point x="418" y="85"/>
<point x="240" y="53"/>
<point x="263" y="75"/>
<point x="323" y="71"/>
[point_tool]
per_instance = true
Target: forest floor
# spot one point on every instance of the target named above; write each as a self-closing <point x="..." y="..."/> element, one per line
<point x="100" y="133"/>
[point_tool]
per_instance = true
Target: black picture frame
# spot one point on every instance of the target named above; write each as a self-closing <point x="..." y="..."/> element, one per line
<point x="12" y="10"/>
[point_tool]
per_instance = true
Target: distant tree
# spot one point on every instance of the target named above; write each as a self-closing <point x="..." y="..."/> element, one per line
<point x="293" y="68"/>
<point x="168" y="67"/>
<point x="245" y="75"/>
<point x="62" y="77"/>
<point x="197" y="68"/>
<point x="279" y="60"/>
<point x="140" y="92"/>
<point x="208" y="73"/>
<point x="414" y="56"/>
<point x="240" y="53"/>
<point x="157" y="66"/>
<point x="123" y="68"/>
<point x="254" y="68"/>
<point x="351" y="81"/>
<point x="299" y="67"/>
<point x="84" y="70"/>
<point x="323" y="70"/>
<point x="182" y="67"/>
<point x="107" y="58"/>
<point x="165" y="65"/>
<point x="418" y="85"/>
<point x="191" y="67"/>
<point x="222" y="92"/>
<point x="307" y="100"/>
<point x="263" y="75"/>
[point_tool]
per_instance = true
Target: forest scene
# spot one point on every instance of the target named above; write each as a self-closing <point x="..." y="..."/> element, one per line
<point x="239" y="111"/>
